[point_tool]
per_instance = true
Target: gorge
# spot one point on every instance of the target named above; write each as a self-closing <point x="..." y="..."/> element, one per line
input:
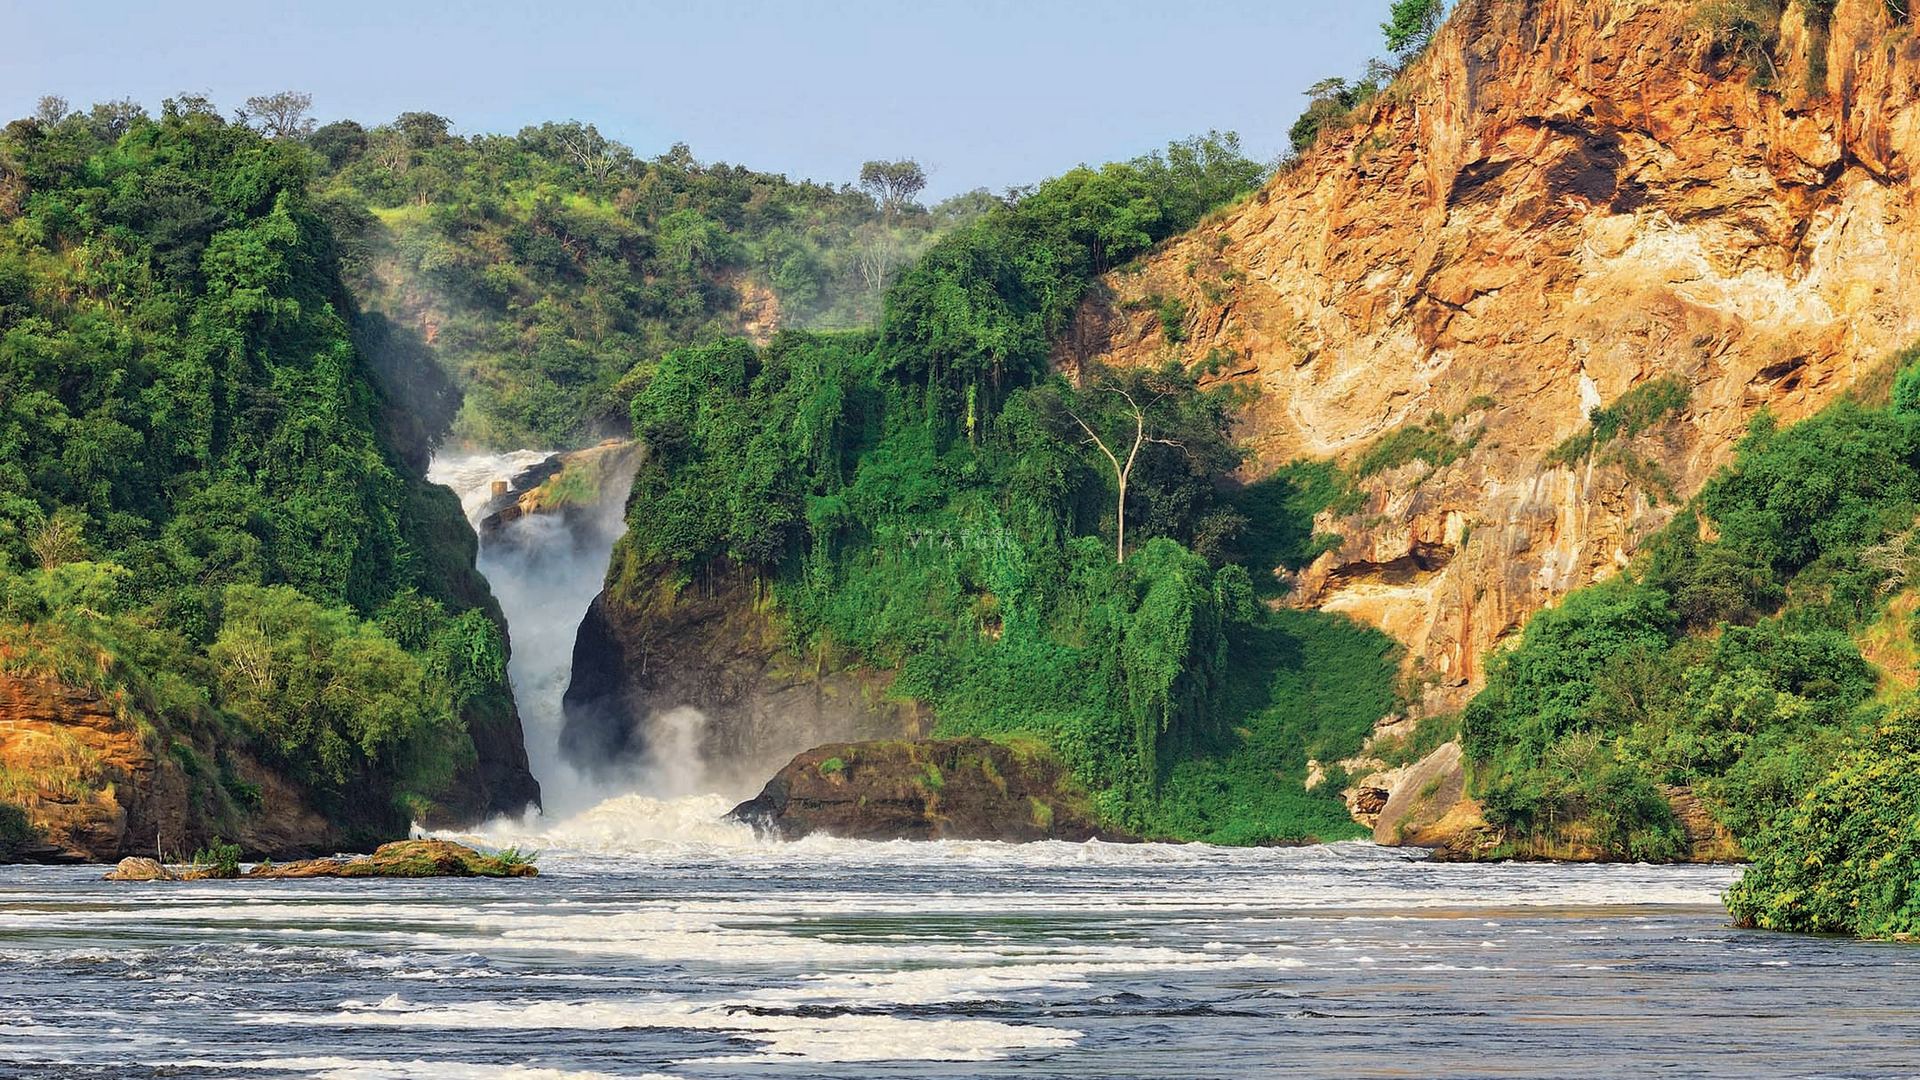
<point x="1443" y="602"/>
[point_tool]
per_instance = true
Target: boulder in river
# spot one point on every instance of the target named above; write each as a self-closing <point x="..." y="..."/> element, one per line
<point x="134" y="868"/>
<point x="407" y="859"/>
<point x="929" y="789"/>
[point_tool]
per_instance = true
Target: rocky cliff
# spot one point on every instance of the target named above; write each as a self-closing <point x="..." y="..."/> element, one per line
<point x="84" y="778"/>
<point x="697" y="667"/>
<point x="1562" y="201"/>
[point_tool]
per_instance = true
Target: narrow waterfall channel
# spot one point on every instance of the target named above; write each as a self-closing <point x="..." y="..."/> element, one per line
<point x="545" y="569"/>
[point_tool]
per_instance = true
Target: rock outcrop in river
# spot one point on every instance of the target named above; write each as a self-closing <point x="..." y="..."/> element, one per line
<point x="936" y="789"/>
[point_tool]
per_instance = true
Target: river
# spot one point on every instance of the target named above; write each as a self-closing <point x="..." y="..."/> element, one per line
<point x="659" y="942"/>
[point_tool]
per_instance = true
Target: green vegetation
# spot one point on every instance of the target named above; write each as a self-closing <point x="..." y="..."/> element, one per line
<point x="208" y="510"/>
<point x="553" y="264"/>
<point x="1411" y="24"/>
<point x="1636" y="412"/>
<point x="1337" y="102"/>
<point x="1747" y="31"/>
<point x="1438" y="442"/>
<point x="1843" y="859"/>
<point x="218" y="859"/>
<point x="933" y="500"/>
<point x="506" y="859"/>
<point x="1726" y="661"/>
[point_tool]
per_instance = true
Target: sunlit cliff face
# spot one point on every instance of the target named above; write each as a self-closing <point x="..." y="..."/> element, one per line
<point x="1560" y="202"/>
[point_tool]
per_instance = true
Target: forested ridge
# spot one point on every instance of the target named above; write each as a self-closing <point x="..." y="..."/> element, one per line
<point x="209" y="513"/>
<point x="544" y="266"/>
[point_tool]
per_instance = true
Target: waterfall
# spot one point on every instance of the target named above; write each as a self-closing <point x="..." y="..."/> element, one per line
<point x="545" y="569"/>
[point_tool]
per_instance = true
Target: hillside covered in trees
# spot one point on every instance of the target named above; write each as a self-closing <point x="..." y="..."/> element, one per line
<point x="544" y="266"/>
<point x="932" y="498"/>
<point x="211" y="517"/>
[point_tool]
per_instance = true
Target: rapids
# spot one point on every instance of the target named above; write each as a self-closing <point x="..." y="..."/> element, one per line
<point x="658" y="942"/>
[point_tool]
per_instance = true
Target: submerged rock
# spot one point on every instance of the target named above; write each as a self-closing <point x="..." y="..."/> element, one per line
<point x="933" y="789"/>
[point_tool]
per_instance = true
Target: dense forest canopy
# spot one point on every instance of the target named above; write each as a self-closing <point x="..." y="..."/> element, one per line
<point x="205" y="502"/>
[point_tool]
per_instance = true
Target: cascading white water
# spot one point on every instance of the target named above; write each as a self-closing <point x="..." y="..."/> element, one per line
<point x="545" y="569"/>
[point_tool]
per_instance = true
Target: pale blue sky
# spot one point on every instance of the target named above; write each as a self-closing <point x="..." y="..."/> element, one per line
<point x="990" y="93"/>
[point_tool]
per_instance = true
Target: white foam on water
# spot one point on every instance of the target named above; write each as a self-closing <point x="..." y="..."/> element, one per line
<point x="847" y="1038"/>
<point x="629" y="824"/>
<point x="639" y="829"/>
<point x="344" y="1068"/>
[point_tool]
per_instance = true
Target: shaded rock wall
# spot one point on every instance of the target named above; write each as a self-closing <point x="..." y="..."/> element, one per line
<point x="654" y="644"/>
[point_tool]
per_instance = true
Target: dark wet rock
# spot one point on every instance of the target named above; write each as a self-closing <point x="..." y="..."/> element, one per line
<point x="658" y="643"/>
<point x="932" y="789"/>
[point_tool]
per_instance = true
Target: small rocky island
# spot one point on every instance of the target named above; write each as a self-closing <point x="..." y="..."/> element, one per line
<point x="401" y="859"/>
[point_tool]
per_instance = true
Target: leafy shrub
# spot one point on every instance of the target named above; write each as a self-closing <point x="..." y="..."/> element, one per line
<point x="1845" y="858"/>
<point x="1433" y="442"/>
<point x="219" y="858"/>
<point x="1636" y="411"/>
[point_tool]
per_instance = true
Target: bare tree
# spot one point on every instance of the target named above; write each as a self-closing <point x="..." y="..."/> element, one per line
<point x="594" y="153"/>
<point x="390" y="151"/>
<point x="59" y="540"/>
<point x="893" y="185"/>
<point x="282" y="115"/>
<point x="875" y="256"/>
<point x="51" y="109"/>
<point x="1123" y="470"/>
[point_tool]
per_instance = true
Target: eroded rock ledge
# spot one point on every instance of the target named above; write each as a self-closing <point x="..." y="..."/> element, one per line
<point x="400" y="859"/>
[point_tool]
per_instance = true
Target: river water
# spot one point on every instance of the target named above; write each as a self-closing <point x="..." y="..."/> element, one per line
<point x="659" y="942"/>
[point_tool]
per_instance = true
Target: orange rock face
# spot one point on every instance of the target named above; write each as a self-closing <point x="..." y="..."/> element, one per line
<point x="92" y="783"/>
<point x="77" y="769"/>
<point x="1564" y="199"/>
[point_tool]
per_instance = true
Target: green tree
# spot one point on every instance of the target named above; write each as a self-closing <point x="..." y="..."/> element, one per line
<point x="332" y="696"/>
<point x="1411" y="24"/>
<point x="1846" y="857"/>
